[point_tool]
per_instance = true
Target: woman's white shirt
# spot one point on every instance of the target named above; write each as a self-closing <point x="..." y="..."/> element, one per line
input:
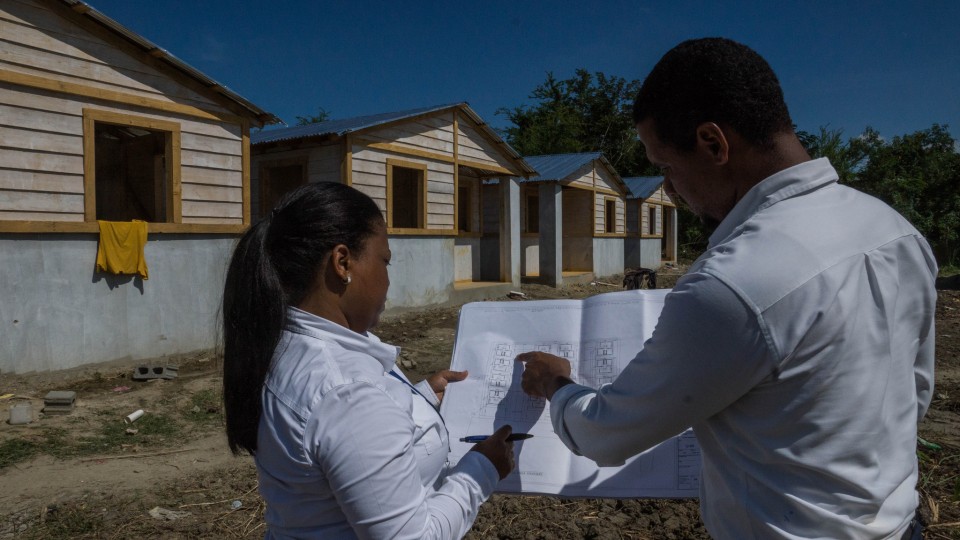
<point x="347" y="450"/>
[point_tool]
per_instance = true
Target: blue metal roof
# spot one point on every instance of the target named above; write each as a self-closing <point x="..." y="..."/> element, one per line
<point x="359" y="123"/>
<point x="642" y="187"/>
<point x="556" y="167"/>
<point x="340" y="127"/>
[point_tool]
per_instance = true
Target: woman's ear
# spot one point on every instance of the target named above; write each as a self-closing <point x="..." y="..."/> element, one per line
<point x="341" y="261"/>
<point x="713" y="141"/>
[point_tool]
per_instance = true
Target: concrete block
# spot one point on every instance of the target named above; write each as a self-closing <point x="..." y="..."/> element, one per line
<point x="145" y="372"/>
<point x="59" y="402"/>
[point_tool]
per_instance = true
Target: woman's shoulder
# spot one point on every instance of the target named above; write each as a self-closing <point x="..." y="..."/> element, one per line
<point x="306" y="368"/>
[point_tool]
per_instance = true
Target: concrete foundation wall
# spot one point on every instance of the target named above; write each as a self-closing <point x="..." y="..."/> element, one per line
<point x="421" y="271"/>
<point x="467" y="255"/>
<point x="642" y="253"/>
<point x="530" y="255"/>
<point x="607" y="256"/>
<point x="57" y="313"/>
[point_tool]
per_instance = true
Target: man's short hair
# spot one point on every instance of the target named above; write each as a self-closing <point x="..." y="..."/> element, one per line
<point x="712" y="80"/>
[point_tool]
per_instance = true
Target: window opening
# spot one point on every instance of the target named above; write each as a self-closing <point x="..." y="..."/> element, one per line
<point x="610" y="216"/>
<point x="277" y="182"/>
<point x="407" y="201"/>
<point x="131" y="173"/>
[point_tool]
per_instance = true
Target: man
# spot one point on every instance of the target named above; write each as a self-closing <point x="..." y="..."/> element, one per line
<point x="799" y="346"/>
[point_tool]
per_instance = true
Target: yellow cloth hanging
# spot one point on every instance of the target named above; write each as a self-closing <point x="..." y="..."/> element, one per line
<point x="121" y="247"/>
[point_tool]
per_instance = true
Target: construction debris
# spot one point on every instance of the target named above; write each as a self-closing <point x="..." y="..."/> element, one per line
<point x="145" y="372"/>
<point x="59" y="402"/>
<point x="21" y="413"/>
<point x="167" y="515"/>
<point x="132" y="417"/>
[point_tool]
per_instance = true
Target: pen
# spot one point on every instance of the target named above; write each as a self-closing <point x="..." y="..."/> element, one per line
<point x="511" y="437"/>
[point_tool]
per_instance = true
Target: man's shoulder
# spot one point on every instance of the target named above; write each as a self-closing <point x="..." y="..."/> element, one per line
<point x="780" y="250"/>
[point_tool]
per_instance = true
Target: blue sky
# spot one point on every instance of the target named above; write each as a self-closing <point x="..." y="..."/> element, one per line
<point x="894" y="66"/>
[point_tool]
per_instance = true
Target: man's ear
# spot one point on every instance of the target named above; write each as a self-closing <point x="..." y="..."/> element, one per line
<point x="713" y="141"/>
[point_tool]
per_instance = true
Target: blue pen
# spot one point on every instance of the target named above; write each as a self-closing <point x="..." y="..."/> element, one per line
<point x="481" y="438"/>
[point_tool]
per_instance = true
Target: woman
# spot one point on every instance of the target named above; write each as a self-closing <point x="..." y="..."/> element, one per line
<point x="345" y="447"/>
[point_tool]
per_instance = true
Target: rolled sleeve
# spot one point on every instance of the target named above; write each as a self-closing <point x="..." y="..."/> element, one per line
<point x="423" y="387"/>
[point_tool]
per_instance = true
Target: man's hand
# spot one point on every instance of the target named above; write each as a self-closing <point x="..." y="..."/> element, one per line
<point x="438" y="381"/>
<point x="543" y="374"/>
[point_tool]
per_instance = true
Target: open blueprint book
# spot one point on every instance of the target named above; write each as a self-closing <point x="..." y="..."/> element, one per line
<point x="599" y="336"/>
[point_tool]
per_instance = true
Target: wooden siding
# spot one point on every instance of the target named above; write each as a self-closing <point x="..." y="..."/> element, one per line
<point x="600" y="210"/>
<point x="606" y="181"/>
<point x="659" y="197"/>
<point x="40" y="39"/>
<point x="369" y="174"/>
<point x="43" y="148"/>
<point x="80" y="68"/>
<point x="659" y="200"/>
<point x="582" y="178"/>
<point x="645" y="220"/>
<point x="322" y="163"/>
<point x="433" y="137"/>
<point x="478" y="150"/>
<point x="430" y="134"/>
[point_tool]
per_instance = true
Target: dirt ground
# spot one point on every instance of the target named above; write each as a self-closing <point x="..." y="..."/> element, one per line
<point x="82" y="475"/>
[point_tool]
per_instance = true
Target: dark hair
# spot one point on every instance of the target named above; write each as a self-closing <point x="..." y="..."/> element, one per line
<point x="274" y="265"/>
<point x="712" y="80"/>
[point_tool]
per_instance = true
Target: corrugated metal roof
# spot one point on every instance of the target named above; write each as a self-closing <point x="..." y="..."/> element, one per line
<point x="359" y="123"/>
<point x="158" y="52"/>
<point x="339" y="127"/>
<point x="642" y="187"/>
<point x="556" y="167"/>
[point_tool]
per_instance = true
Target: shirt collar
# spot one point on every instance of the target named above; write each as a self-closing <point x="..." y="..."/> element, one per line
<point x="800" y="178"/>
<point x="302" y="322"/>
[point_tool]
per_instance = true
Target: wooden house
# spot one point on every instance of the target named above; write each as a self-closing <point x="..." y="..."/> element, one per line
<point x="98" y="123"/>
<point x="572" y="218"/>
<point x="651" y="224"/>
<point x="453" y="233"/>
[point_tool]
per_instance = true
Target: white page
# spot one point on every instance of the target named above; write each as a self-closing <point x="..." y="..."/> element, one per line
<point x="599" y="336"/>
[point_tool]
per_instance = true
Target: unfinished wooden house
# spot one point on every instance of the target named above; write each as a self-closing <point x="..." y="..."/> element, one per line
<point x="97" y="123"/>
<point x="572" y="217"/>
<point x="651" y="238"/>
<point x="454" y="235"/>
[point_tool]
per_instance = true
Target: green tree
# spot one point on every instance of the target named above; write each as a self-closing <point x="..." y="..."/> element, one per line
<point x="321" y="116"/>
<point x="590" y="113"/>
<point x="585" y="113"/>
<point x="847" y="158"/>
<point x="919" y="175"/>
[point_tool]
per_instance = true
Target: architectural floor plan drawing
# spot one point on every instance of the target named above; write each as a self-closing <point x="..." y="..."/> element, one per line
<point x="599" y="336"/>
<point x="596" y="362"/>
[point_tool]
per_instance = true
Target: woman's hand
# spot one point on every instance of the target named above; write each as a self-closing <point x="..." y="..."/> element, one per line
<point x="498" y="450"/>
<point x="438" y="381"/>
